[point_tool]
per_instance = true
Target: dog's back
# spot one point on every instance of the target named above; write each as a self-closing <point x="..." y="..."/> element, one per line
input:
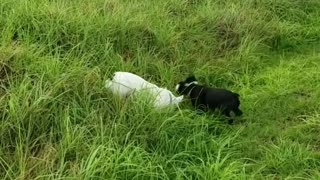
<point x="202" y="96"/>
<point x="124" y="83"/>
<point x="216" y="97"/>
<point x="131" y="80"/>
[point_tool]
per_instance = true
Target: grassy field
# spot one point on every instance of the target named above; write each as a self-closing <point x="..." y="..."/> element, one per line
<point x="57" y="121"/>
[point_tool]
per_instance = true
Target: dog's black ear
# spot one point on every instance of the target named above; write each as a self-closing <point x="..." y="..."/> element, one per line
<point x="191" y="79"/>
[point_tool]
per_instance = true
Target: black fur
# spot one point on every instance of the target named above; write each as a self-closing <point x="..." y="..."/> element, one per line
<point x="207" y="98"/>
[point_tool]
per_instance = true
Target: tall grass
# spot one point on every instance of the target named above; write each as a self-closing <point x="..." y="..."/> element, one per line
<point x="58" y="121"/>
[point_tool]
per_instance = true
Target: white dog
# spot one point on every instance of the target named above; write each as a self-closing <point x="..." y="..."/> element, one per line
<point x="125" y="83"/>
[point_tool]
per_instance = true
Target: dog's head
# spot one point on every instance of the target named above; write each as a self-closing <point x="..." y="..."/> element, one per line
<point x="183" y="85"/>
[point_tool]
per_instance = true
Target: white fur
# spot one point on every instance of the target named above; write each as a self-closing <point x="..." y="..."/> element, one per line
<point x="193" y="82"/>
<point x="125" y="83"/>
<point x="164" y="97"/>
<point x="186" y="84"/>
<point x="177" y="87"/>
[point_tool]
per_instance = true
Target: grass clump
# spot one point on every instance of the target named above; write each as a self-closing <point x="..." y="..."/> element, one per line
<point x="59" y="122"/>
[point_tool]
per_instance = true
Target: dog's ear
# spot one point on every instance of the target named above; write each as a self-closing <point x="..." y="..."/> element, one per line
<point x="191" y="79"/>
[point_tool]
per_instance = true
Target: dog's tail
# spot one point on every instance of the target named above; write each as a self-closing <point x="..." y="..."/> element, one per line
<point x="238" y="112"/>
<point x="236" y="99"/>
<point x="236" y="95"/>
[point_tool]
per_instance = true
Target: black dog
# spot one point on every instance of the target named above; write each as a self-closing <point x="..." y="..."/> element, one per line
<point x="205" y="98"/>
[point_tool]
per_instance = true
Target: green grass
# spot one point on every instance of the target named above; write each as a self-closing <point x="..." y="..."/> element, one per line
<point x="57" y="121"/>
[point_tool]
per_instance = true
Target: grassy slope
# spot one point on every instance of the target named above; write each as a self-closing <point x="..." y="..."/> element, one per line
<point x="58" y="121"/>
